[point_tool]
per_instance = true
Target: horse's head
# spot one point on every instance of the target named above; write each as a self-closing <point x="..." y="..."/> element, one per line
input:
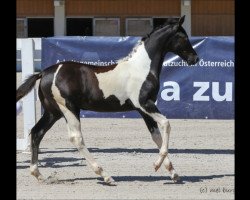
<point x="179" y="43"/>
<point x="172" y="37"/>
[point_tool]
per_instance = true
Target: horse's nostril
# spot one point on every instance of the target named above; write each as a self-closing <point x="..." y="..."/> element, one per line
<point x="197" y="59"/>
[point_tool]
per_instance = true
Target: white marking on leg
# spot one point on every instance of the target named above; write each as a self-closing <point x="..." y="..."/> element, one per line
<point x="33" y="167"/>
<point x="77" y="139"/>
<point x="156" y="136"/>
<point x="75" y="135"/>
<point x="169" y="166"/>
<point x="164" y="124"/>
<point x="126" y="79"/>
<point x="35" y="172"/>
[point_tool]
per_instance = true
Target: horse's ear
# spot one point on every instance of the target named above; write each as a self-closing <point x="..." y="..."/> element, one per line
<point x="181" y="20"/>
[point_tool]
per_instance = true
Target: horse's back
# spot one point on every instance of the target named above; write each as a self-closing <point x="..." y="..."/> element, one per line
<point x="77" y="83"/>
<point x="71" y="79"/>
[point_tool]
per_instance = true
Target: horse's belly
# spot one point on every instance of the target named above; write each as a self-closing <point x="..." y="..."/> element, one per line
<point x="110" y="104"/>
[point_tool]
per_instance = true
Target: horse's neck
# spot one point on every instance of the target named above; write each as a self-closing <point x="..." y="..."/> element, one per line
<point x="156" y="65"/>
<point x="141" y="60"/>
<point x="154" y="50"/>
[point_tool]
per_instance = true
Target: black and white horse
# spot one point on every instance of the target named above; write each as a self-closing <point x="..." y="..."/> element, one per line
<point x="132" y="84"/>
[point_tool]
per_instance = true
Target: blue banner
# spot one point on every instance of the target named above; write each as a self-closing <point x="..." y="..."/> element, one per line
<point x="201" y="91"/>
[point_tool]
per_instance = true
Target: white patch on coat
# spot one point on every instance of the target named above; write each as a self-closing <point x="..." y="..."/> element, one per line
<point x="54" y="89"/>
<point x="134" y="50"/>
<point x="73" y="123"/>
<point x="126" y="79"/>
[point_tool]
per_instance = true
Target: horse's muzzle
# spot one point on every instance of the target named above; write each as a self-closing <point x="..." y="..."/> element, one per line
<point x="193" y="60"/>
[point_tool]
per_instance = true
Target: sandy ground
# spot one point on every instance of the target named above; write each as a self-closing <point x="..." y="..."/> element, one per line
<point x="202" y="152"/>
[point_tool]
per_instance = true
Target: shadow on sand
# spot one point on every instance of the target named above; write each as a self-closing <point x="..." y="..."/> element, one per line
<point x="140" y="150"/>
<point x="184" y="179"/>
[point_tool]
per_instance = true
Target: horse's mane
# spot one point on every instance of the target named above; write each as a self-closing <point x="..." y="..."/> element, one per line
<point x="168" y="21"/>
<point x="131" y="53"/>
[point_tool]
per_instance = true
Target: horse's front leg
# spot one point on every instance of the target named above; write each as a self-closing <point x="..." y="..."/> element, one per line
<point x="156" y="136"/>
<point x="165" y="125"/>
<point x="150" y="109"/>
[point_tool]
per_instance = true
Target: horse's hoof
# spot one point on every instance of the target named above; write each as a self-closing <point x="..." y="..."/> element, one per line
<point x="40" y="178"/>
<point x="51" y="179"/>
<point x="175" y="177"/>
<point x="109" y="180"/>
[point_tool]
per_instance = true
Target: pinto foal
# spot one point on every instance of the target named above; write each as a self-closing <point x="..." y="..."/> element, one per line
<point x="132" y="84"/>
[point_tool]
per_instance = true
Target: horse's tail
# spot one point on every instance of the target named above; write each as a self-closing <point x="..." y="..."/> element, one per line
<point x="27" y="86"/>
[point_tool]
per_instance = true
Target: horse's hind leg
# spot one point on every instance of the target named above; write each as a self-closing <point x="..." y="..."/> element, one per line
<point x="156" y="136"/>
<point x="74" y="129"/>
<point x="37" y="133"/>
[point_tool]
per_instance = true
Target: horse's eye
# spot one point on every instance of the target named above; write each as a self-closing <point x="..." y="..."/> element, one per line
<point x="184" y="39"/>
